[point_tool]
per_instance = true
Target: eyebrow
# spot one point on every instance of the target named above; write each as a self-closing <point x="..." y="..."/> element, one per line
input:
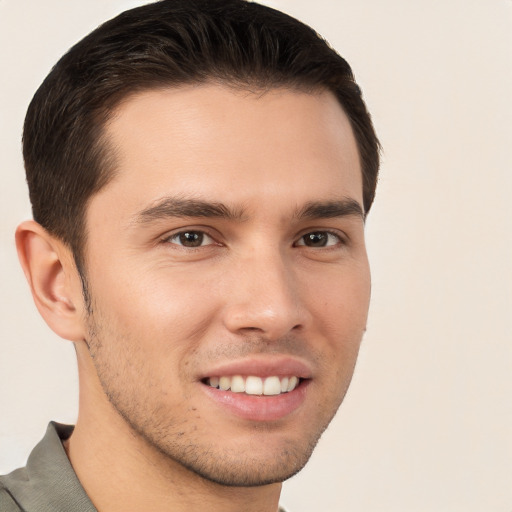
<point x="345" y="207"/>
<point x="182" y="207"/>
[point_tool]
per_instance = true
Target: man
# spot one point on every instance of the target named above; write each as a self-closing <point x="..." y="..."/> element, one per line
<point x="200" y="173"/>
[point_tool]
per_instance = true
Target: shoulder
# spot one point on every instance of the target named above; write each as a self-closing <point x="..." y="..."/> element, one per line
<point x="7" y="503"/>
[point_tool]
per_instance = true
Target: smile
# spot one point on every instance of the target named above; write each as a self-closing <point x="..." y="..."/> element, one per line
<point x="252" y="385"/>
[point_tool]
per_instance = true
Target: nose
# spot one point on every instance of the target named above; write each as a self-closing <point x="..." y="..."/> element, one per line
<point x="265" y="298"/>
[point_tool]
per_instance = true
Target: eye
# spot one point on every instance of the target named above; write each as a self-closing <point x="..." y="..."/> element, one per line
<point x="319" y="239"/>
<point x="190" y="239"/>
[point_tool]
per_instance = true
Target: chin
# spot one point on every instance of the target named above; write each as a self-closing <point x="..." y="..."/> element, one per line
<point x="241" y="470"/>
<point x="262" y="458"/>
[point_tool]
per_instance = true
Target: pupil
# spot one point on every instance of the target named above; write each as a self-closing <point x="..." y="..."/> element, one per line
<point x="191" y="239"/>
<point x="315" y="239"/>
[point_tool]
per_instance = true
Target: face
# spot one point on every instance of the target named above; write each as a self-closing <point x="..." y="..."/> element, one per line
<point x="228" y="276"/>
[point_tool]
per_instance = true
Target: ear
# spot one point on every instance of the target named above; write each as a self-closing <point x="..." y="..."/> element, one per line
<point x="51" y="272"/>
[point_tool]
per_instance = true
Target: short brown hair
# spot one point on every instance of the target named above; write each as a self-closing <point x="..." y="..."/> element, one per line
<point x="162" y="44"/>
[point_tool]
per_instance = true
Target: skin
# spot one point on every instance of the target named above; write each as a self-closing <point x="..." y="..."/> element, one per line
<point x="163" y="316"/>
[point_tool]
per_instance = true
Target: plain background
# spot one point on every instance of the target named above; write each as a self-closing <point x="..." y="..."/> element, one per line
<point x="427" y="423"/>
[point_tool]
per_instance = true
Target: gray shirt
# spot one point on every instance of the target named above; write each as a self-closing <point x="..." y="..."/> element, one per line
<point x="47" y="483"/>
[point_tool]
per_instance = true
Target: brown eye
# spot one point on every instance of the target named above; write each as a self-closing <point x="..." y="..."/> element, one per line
<point x="190" y="239"/>
<point x="319" y="239"/>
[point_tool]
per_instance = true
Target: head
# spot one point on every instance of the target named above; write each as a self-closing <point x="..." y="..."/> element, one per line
<point x="208" y="167"/>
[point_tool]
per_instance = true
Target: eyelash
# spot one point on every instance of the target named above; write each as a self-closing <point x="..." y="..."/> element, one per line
<point x="203" y="234"/>
<point x="330" y="234"/>
<point x="200" y="232"/>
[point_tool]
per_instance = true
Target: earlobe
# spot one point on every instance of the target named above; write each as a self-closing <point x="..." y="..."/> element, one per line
<point x="53" y="279"/>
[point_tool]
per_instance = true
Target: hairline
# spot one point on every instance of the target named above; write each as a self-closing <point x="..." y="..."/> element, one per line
<point x="108" y="151"/>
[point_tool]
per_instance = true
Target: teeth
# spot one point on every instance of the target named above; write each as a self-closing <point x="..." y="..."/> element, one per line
<point x="255" y="385"/>
<point x="225" y="383"/>
<point x="237" y="384"/>
<point x="292" y="383"/>
<point x="272" y="386"/>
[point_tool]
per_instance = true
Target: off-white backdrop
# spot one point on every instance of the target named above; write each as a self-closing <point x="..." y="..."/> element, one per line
<point x="427" y="424"/>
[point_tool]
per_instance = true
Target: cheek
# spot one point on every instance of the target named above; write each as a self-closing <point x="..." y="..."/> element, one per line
<point x="340" y="300"/>
<point x="340" y="312"/>
<point x="159" y="310"/>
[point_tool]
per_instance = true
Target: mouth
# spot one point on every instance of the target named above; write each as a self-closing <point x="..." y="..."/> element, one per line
<point x="254" y="385"/>
<point x="259" y="388"/>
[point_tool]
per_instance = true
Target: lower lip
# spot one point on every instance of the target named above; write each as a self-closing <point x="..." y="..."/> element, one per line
<point x="259" y="407"/>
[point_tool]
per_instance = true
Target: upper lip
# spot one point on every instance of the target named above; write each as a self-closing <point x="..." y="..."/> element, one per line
<point x="261" y="366"/>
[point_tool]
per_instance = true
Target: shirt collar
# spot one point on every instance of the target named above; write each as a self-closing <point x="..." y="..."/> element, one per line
<point x="48" y="482"/>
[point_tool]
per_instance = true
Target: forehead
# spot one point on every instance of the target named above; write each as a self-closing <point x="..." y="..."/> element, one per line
<point x="212" y="140"/>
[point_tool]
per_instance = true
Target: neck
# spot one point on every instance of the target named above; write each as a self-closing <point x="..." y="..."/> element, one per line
<point x="122" y="472"/>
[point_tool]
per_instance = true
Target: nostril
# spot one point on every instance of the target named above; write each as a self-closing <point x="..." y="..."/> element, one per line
<point x="259" y="316"/>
